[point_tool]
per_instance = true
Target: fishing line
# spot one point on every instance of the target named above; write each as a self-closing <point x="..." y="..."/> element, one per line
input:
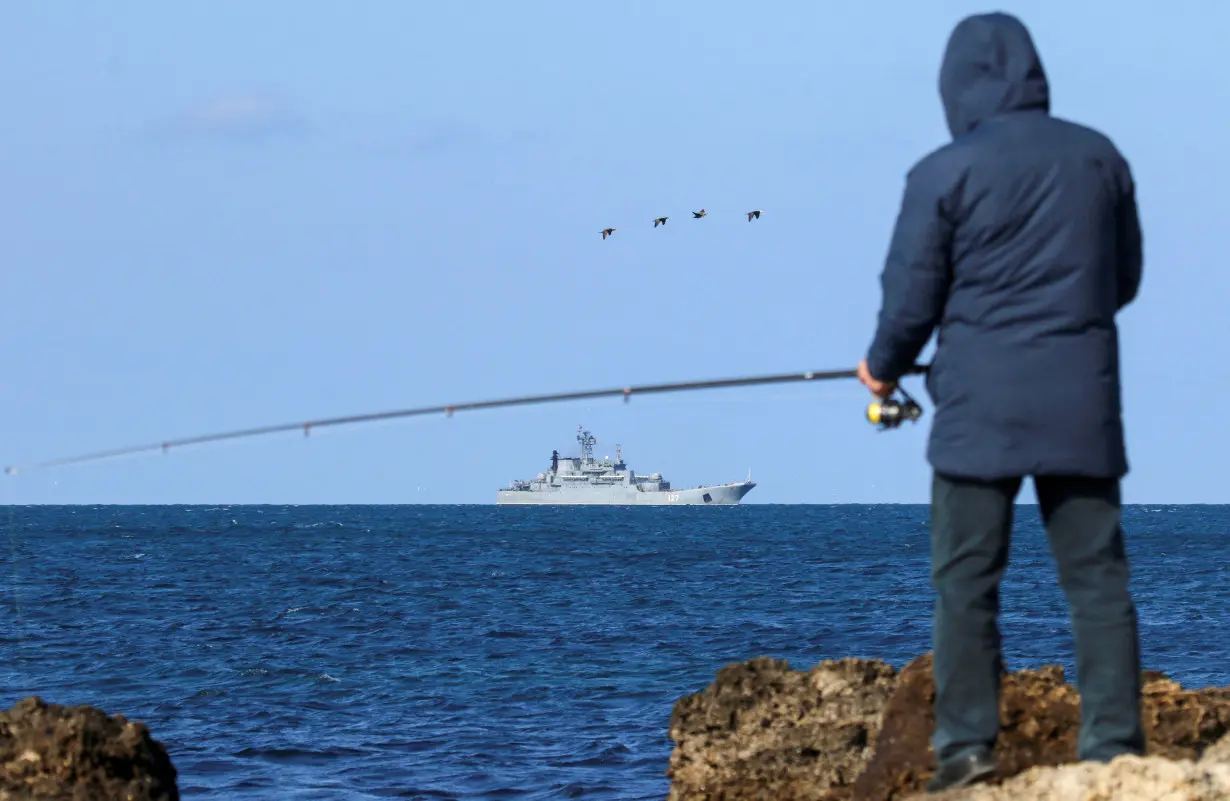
<point x="886" y="414"/>
<point x="15" y="584"/>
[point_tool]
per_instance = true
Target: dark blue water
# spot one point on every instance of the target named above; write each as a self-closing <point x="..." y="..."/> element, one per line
<point x="470" y="652"/>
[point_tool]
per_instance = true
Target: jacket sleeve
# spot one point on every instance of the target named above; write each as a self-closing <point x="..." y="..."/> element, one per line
<point x="1130" y="250"/>
<point x="916" y="275"/>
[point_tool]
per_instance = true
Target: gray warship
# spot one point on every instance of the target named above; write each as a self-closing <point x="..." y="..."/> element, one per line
<point x="586" y="481"/>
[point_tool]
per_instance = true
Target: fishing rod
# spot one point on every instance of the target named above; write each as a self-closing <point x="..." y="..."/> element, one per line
<point x="888" y="413"/>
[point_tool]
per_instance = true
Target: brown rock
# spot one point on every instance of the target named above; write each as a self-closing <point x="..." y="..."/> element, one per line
<point x="856" y="730"/>
<point x="1126" y="778"/>
<point x="79" y="753"/>
<point x="1039" y="723"/>
<point x="764" y="731"/>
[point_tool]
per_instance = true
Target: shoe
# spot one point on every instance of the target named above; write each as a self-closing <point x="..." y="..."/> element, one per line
<point x="963" y="771"/>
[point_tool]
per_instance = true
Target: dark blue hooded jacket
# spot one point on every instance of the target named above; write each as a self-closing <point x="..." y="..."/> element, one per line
<point x="1020" y="241"/>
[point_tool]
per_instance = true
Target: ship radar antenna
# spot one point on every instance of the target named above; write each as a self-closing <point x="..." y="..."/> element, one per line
<point x="619" y="454"/>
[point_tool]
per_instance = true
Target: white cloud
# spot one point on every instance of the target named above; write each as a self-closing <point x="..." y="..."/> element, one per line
<point x="244" y="117"/>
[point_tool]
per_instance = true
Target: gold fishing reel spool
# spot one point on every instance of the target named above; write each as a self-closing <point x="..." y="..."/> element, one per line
<point x="891" y="412"/>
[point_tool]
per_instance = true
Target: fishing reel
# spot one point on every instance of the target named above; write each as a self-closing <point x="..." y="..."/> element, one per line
<point x="890" y="413"/>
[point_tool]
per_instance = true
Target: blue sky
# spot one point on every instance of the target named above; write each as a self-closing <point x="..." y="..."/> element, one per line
<point x="230" y="214"/>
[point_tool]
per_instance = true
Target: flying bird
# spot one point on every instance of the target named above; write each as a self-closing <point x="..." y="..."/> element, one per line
<point x="659" y="221"/>
<point x="751" y="215"/>
<point x="607" y="232"/>
<point x="699" y="214"/>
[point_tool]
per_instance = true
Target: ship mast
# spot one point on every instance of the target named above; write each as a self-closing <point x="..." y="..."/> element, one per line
<point x="587" y="441"/>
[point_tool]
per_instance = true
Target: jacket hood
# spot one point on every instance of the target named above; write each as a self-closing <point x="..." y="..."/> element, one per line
<point x="990" y="67"/>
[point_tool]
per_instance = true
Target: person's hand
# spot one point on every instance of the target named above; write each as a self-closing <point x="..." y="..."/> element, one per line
<point x="881" y="389"/>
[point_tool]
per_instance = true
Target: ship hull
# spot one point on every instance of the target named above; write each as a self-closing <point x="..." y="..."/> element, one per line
<point x="619" y="495"/>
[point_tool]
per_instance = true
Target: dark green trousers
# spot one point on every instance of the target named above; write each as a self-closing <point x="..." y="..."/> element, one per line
<point x="971" y="523"/>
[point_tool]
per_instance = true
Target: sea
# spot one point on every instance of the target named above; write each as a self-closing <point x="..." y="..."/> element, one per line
<point x="438" y="652"/>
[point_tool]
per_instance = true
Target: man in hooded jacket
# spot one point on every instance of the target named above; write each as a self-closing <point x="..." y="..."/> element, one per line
<point x="1020" y="242"/>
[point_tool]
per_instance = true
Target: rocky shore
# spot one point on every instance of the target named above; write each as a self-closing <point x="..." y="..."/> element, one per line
<point x="50" y="752"/>
<point x="846" y="730"/>
<point x="859" y="730"/>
